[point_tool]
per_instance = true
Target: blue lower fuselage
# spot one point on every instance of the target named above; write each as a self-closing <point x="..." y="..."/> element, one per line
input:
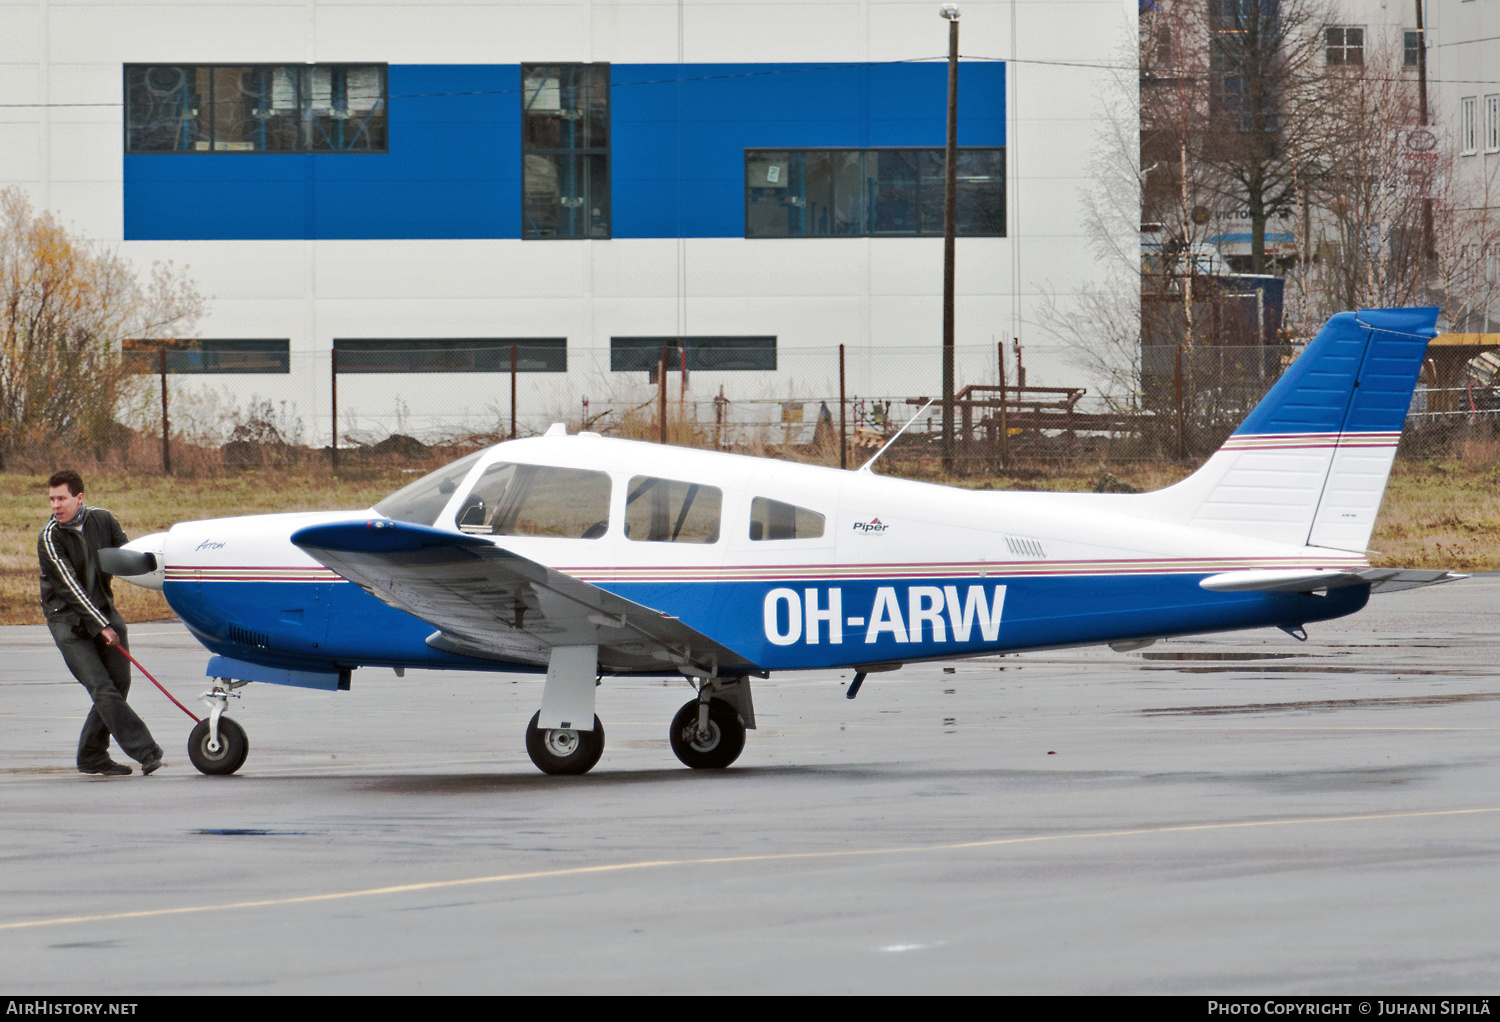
<point x="337" y="625"/>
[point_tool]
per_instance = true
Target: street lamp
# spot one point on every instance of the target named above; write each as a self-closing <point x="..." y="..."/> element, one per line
<point x="949" y="12"/>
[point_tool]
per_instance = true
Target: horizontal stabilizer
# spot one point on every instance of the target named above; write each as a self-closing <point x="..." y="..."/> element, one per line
<point x="1380" y="580"/>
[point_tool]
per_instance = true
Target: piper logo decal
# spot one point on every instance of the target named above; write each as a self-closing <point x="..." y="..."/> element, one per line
<point x="874" y="525"/>
<point x="931" y="614"/>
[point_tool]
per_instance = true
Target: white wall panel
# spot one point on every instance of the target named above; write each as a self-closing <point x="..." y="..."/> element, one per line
<point x="442" y="34"/>
<point x="803" y="266"/>
<point x="766" y="31"/>
<point x="20" y="153"/>
<point x="87" y="152"/>
<point x="110" y="34"/>
<point x="258" y="317"/>
<point x="640" y="33"/>
<point x="20" y="83"/>
<point x="92" y="83"/>
<point x="645" y="268"/>
<point x="233" y="270"/>
<point x="20" y="42"/>
<point x="449" y="269"/>
<point x="93" y="209"/>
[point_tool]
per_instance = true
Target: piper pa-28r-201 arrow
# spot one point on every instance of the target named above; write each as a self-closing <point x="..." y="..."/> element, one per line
<point x="585" y="557"/>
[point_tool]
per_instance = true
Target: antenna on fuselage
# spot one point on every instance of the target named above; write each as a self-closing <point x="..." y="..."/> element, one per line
<point x="866" y="466"/>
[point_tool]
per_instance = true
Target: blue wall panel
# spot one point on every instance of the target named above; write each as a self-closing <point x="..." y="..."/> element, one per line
<point x="454" y="166"/>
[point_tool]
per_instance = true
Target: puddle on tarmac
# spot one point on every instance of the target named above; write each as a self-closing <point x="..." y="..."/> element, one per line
<point x="1405" y="672"/>
<point x="1322" y="704"/>
<point x="247" y="832"/>
<point x="1231" y="656"/>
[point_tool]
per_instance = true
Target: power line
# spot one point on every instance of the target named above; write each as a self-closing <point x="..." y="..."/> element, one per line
<point x="1163" y="72"/>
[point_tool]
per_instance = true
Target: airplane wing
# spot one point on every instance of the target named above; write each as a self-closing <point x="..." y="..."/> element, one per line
<point x="491" y="603"/>
<point x="1380" y="580"/>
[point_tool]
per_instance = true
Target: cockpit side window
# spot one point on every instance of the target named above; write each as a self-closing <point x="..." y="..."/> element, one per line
<point x="422" y="501"/>
<point x="537" y="500"/>
<point x="771" y="519"/>
<point x="672" y="511"/>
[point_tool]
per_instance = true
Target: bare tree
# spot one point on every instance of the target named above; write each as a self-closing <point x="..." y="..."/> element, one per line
<point x="1266" y="116"/>
<point x="66" y="306"/>
<point x="1379" y="176"/>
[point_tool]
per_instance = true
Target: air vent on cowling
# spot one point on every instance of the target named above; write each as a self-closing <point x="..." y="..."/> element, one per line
<point x="1023" y="547"/>
<point x="246" y="637"/>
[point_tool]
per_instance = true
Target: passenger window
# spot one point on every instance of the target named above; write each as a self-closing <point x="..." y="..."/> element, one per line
<point x="670" y="511"/>
<point x="537" y="500"/>
<point x="771" y="519"/>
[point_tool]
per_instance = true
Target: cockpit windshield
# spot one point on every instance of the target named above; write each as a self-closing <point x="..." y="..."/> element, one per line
<point x="537" y="500"/>
<point x="422" y="501"/>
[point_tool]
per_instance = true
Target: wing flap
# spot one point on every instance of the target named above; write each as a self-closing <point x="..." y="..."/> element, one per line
<point x="489" y="602"/>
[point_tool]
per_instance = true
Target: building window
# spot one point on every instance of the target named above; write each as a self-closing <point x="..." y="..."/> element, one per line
<point x="209" y="356"/>
<point x="1468" y="126"/>
<point x="255" y="108"/>
<point x="565" y="150"/>
<point x="824" y="193"/>
<point x="451" y="354"/>
<point x="700" y="354"/>
<point x="1411" y="48"/>
<point x="1345" y="46"/>
<point x="1492" y="124"/>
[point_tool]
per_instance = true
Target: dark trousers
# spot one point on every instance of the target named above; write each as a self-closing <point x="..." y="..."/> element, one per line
<point x="106" y="674"/>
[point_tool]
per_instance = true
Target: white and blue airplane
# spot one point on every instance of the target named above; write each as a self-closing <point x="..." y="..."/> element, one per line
<point x="585" y="557"/>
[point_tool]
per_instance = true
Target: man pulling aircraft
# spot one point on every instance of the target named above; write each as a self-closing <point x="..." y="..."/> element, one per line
<point x="584" y="557"/>
<point x="78" y="602"/>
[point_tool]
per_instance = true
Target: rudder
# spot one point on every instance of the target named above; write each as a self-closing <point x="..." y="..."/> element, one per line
<point x="1310" y="462"/>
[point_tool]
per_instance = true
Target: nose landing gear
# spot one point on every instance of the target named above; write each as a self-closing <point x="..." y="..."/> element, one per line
<point x="217" y="744"/>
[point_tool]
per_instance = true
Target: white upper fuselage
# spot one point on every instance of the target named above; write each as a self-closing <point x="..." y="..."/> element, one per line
<point x="875" y="523"/>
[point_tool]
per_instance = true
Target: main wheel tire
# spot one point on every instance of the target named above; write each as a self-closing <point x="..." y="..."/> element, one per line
<point x="725" y="743"/>
<point x="564" y="750"/>
<point x="233" y="748"/>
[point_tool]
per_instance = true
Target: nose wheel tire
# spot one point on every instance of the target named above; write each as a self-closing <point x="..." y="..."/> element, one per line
<point x="564" y="750"/>
<point x="228" y="757"/>
<point x="717" y="749"/>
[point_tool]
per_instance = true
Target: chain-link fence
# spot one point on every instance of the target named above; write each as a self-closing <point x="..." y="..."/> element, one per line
<point x="831" y="405"/>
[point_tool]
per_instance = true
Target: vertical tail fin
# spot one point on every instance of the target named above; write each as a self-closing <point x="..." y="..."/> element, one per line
<point x="1309" y="464"/>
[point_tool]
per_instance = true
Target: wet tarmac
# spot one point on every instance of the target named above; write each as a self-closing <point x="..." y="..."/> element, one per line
<point x="1235" y="814"/>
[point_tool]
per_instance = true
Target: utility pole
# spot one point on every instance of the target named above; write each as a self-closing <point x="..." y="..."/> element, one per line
<point x="950" y="230"/>
<point x="1429" y="248"/>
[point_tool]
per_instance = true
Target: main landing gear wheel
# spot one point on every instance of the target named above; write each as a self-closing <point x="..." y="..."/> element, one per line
<point x="228" y="757"/>
<point x="564" y="750"/>
<point x="713" y="747"/>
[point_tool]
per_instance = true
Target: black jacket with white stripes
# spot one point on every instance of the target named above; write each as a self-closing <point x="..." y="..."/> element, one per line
<point x="74" y="590"/>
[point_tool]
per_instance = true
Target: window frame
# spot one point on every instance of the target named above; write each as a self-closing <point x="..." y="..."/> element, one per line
<point x="1344" y="47"/>
<point x="920" y="156"/>
<point x="606" y="151"/>
<point x="142" y="357"/>
<point x="1411" y="45"/>
<point x="302" y="149"/>
<point x="1492" y="123"/>
<point x="499" y="346"/>
<point x="1468" y="126"/>
<point x="626" y="353"/>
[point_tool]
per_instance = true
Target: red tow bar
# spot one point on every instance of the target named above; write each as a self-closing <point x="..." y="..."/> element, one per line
<point x="184" y="709"/>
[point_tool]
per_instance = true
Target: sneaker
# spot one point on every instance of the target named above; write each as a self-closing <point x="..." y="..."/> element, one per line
<point x="110" y="769"/>
<point x="150" y="764"/>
